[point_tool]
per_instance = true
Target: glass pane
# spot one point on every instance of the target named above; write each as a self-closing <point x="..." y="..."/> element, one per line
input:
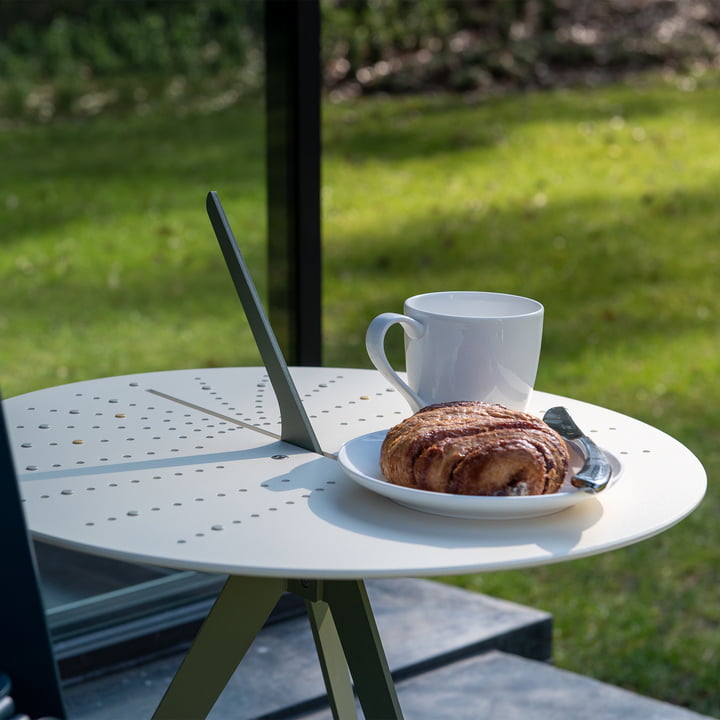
<point x="117" y="119"/>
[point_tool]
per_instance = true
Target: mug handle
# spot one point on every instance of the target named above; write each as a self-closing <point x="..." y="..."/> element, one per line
<point x="375" y="344"/>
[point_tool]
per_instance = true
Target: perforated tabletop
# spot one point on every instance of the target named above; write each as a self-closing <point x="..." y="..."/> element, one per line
<point x="183" y="469"/>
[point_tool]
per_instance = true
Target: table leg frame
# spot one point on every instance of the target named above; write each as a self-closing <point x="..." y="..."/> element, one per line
<point x="333" y="664"/>
<point x="346" y="637"/>
<point x="350" y="641"/>
<point x="238" y="614"/>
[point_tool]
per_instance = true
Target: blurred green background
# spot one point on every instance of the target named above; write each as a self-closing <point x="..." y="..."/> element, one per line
<point x="563" y="151"/>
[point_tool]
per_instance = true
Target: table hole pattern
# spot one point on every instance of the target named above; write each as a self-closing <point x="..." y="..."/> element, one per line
<point x="125" y="424"/>
<point x="328" y="402"/>
<point x="128" y="502"/>
<point x="156" y="458"/>
<point x="147" y="428"/>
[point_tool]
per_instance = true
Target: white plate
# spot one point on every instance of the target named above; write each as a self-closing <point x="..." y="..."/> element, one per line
<point x="360" y="459"/>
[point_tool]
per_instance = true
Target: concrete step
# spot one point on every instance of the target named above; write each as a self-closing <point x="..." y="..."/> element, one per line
<point x="498" y="686"/>
<point x="424" y="625"/>
<point x="455" y="655"/>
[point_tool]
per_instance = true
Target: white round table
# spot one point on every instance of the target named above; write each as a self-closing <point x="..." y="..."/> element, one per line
<point x="169" y="468"/>
<point x="184" y="469"/>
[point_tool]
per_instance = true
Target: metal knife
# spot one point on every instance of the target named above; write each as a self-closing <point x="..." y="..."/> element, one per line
<point x="596" y="472"/>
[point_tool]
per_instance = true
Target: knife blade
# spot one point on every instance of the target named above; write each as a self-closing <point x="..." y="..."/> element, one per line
<point x="596" y="472"/>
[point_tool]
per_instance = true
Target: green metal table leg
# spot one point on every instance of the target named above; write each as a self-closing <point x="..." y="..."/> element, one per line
<point x="332" y="661"/>
<point x="360" y="640"/>
<point x="237" y="616"/>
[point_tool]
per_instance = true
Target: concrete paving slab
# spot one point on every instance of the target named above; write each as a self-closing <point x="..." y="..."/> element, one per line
<point x="498" y="686"/>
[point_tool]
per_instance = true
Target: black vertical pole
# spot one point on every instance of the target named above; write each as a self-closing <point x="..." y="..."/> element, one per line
<point x="26" y="654"/>
<point x="293" y="87"/>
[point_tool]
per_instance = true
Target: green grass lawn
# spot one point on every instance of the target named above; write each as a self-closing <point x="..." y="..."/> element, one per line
<point x="601" y="203"/>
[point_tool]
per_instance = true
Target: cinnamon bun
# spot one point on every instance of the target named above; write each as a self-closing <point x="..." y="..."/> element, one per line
<point x="475" y="448"/>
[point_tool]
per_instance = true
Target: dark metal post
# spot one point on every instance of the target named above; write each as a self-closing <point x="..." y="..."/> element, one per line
<point x="293" y="87"/>
<point x="26" y="654"/>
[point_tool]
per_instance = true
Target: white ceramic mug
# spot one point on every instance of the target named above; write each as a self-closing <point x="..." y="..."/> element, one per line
<point x="463" y="346"/>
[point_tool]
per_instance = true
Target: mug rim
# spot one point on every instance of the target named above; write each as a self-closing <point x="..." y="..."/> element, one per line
<point x="536" y="306"/>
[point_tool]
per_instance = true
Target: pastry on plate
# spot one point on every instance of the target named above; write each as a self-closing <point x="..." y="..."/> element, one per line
<point x="475" y="448"/>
